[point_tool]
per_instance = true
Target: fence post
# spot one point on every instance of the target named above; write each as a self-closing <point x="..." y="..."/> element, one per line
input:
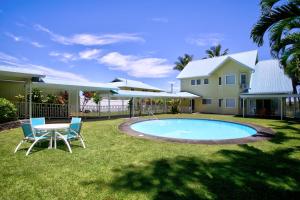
<point x="30" y="99"/>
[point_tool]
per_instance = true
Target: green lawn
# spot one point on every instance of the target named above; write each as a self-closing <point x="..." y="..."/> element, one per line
<point x="117" y="166"/>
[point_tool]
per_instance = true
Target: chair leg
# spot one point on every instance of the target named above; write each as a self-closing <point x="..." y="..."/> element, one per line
<point x="18" y="146"/>
<point x="28" y="151"/>
<point x="82" y="143"/>
<point x="68" y="145"/>
<point x="66" y="142"/>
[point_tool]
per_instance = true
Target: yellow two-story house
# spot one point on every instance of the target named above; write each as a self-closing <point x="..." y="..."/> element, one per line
<point x="219" y="81"/>
<point x="237" y="84"/>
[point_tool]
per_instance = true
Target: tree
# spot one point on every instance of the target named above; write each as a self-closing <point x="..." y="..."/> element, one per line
<point x="97" y="98"/>
<point x="281" y="20"/>
<point x="215" y="51"/>
<point x="87" y="97"/>
<point x="182" y="62"/>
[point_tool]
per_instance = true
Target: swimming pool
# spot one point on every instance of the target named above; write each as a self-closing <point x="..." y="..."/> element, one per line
<point x="193" y="129"/>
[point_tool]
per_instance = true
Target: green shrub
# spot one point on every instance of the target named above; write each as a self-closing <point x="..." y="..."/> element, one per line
<point x="8" y="111"/>
<point x="174" y="106"/>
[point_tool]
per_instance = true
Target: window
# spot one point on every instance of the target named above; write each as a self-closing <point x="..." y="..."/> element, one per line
<point x="206" y="101"/>
<point x="243" y="79"/>
<point x="193" y="82"/>
<point x="220" y="102"/>
<point x="206" y="81"/>
<point x="220" y="80"/>
<point x="230" y="79"/>
<point x="230" y="103"/>
<point x="198" y="81"/>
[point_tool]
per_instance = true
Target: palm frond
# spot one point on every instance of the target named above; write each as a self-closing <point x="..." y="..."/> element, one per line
<point x="266" y="21"/>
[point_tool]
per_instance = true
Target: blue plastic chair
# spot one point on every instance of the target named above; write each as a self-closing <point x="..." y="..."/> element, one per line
<point x="75" y="120"/>
<point x="30" y="136"/>
<point x="73" y="133"/>
<point x="37" y="121"/>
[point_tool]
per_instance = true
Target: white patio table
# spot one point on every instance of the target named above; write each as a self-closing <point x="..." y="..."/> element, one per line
<point x="53" y="130"/>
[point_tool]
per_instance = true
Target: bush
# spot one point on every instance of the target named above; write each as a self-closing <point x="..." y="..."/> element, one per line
<point x="8" y="111"/>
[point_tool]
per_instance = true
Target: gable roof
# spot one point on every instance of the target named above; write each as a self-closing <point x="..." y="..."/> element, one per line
<point x="122" y="82"/>
<point x="206" y="67"/>
<point x="80" y="85"/>
<point x="129" y="93"/>
<point x="269" y="77"/>
<point x="20" y="72"/>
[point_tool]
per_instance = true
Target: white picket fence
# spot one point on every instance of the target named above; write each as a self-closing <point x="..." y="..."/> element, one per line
<point x="65" y="111"/>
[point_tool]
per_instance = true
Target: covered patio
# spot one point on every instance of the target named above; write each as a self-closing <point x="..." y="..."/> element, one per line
<point x="271" y="105"/>
<point x="143" y="102"/>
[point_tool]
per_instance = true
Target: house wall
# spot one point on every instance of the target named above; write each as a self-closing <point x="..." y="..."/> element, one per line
<point x="215" y="92"/>
<point x="9" y="90"/>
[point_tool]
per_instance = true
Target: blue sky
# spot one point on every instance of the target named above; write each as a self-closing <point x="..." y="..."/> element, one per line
<point x="101" y="40"/>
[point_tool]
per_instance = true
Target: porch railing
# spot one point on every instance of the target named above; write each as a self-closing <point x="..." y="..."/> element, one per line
<point x="42" y="110"/>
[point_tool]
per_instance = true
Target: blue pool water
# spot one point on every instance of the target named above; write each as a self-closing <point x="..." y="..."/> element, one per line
<point x="195" y="129"/>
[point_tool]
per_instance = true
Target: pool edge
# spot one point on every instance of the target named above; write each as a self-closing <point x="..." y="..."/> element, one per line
<point x="263" y="133"/>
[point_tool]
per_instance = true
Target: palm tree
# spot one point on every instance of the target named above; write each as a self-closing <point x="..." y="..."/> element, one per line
<point x="281" y="20"/>
<point x="215" y="51"/>
<point x="182" y="62"/>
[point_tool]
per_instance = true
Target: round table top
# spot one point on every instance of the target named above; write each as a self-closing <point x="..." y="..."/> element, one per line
<point x="52" y="126"/>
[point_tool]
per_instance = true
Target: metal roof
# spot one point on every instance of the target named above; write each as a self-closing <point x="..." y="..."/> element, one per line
<point x="206" y="67"/>
<point x="19" y="72"/>
<point x="121" y="82"/>
<point x="67" y="84"/>
<point x="268" y="77"/>
<point x="142" y="94"/>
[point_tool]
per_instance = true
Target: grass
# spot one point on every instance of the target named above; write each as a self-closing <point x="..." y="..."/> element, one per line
<point x="117" y="166"/>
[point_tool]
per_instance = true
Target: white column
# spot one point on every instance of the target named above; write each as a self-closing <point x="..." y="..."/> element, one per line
<point x="122" y="106"/>
<point x="108" y="105"/>
<point x="30" y="99"/>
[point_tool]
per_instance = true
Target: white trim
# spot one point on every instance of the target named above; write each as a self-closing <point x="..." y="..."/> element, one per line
<point x="230" y="98"/>
<point x="230" y="75"/>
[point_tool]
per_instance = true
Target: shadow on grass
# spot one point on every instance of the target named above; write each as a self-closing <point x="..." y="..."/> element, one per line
<point x="243" y="174"/>
<point x="280" y="136"/>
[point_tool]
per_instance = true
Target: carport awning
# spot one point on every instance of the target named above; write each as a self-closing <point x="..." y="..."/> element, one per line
<point x="144" y="94"/>
<point x="67" y="84"/>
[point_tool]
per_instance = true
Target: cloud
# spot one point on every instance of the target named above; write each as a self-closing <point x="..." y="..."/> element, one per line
<point x="12" y="36"/>
<point x="64" y="57"/>
<point x="137" y="67"/>
<point x="36" y="44"/>
<point x="86" y="39"/>
<point x="90" y="54"/>
<point x="8" y="61"/>
<point x="160" y="19"/>
<point x="205" y="39"/>
<point x="22" y="39"/>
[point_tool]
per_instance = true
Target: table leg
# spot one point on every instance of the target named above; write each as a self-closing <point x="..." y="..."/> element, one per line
<point x="50" y="143"/>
